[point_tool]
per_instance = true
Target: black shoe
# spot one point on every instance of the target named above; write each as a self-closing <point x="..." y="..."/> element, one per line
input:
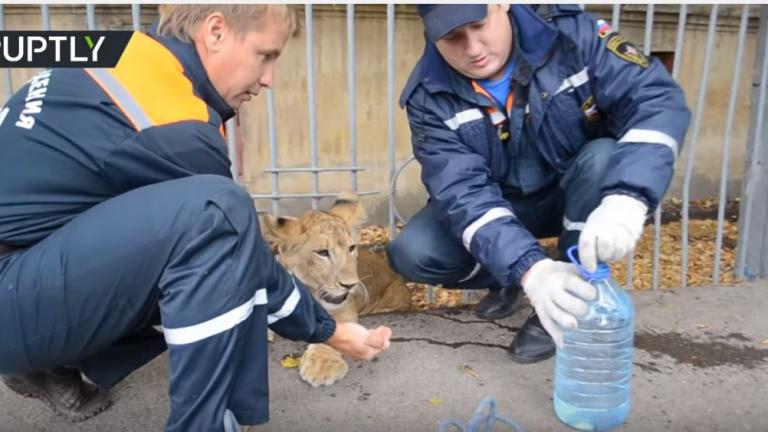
<point x="498" y="303"/>
<point x="532" y="343"/>
<point x="63" y="390"/>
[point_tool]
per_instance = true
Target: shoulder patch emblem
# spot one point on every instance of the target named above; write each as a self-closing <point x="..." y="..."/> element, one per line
<point x="626" y="50"/>
<point x="603" y="29"/>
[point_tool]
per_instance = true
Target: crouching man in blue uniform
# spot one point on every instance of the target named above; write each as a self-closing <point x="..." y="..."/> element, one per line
<point x="119" y="214"/>
<point x="531" y="122"/>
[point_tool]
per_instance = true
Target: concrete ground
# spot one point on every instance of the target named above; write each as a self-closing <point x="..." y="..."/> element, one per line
<point x="701" y="364"/>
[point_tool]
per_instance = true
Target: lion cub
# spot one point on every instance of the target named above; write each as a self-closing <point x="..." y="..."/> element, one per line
<point x="321" y="249"/>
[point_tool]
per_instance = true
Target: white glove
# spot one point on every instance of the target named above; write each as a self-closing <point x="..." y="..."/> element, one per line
<point x="611" y="230"/>
<point x="556" y="291"/>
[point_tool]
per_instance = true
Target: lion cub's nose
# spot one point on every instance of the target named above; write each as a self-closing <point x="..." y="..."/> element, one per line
<point x="349" y="286"/>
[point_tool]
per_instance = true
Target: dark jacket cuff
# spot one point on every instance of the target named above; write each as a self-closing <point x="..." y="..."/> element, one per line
<point x="526" y="262"/>
<point x="324" y="331"/>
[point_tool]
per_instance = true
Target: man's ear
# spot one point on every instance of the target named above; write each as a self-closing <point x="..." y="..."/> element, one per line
<point x="213" y="31"/>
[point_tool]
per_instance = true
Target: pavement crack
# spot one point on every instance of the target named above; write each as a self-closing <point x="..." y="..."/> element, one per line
<point x="648" y="367"/>
<point x="448" y="344"/>
<point x="449" y="318"/>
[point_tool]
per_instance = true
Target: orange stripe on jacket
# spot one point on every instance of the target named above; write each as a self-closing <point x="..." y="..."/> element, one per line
<point x="155" y="78"/>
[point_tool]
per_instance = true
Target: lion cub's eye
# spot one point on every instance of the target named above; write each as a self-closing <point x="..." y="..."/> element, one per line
<point x="323" y="253"/>
<point x="352" y="248"/>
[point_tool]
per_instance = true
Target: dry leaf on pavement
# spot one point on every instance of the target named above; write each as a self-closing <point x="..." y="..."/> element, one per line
<point x="291" y="361"/>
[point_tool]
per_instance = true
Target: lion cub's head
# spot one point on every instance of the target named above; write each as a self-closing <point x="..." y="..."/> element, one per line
<point x="320" y="248"/>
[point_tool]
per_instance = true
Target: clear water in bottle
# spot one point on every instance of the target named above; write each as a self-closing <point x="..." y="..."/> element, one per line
<point x="593" y="370"/>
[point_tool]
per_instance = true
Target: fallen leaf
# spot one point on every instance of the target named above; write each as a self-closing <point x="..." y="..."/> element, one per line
<point x="701" y="326"/>
<point x="436" y="401"/>
<point x="467" y="369"/>
<point x="765" y="342"/>
<point x="290" y="361"/>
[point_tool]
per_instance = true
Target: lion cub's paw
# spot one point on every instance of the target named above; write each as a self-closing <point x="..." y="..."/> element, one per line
<point x="322" y="365"/>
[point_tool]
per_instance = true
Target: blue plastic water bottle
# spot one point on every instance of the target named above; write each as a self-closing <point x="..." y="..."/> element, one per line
<point x="593" y="370"/>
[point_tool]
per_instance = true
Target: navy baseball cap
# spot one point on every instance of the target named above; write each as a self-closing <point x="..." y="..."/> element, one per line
<point x="441" y="19"/>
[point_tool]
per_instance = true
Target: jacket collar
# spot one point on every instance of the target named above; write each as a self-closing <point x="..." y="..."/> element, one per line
<point x="186" y="53"/>
<point x="534" y="37"/>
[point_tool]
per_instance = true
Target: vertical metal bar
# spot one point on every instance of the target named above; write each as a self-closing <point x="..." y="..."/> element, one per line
<point x="90" y="16"/>
<point x="762" y="229"/>
<point x="232" y="149"/>
<point x="616" y="16"/>
<point x="682" y="16"/>
<point x="312" y="110"/>
<point x="136" y="16"/>
<point x="8" y="78"/>
<point x="45" y="13"/>
<point x="711" y="30"/>
<point x="352" y="94"/>
<point x="647" y="45"/>
<point x="727" y="143"/>
<point x="273" y="150"/>
<point x="680" y="38"/>
<point x="648" y="40"/>
<point x="656" y="246"/>
<point x="753" y="196"/>
<point x="391" y="110"/>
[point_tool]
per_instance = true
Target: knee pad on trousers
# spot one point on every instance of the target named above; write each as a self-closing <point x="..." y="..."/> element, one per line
<point x="594" y="162"/>
<point x="402" y="258"/>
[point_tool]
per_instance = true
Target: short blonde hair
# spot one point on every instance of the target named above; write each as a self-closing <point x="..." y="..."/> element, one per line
<point x="180" y="21"/>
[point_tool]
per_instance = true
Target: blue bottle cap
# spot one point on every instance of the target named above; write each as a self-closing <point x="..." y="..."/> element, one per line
<point x="602" y="272"/>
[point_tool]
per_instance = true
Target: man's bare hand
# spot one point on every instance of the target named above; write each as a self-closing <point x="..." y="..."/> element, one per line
<point x="359" y="342"/>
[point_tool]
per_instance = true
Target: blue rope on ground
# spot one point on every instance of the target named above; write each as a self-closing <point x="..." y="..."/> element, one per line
<point x="481" y="418"/>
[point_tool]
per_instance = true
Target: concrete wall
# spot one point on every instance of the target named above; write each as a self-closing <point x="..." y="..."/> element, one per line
<point x="330" y="69"/>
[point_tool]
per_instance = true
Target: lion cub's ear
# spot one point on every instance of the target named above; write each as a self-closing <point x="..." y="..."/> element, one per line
<point x="280" y="230"/>
<point x="349" y="208"/>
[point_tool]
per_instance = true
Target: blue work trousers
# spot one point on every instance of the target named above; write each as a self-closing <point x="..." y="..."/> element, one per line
<point x="187" y="254"/>
<point x="425" y="251"/>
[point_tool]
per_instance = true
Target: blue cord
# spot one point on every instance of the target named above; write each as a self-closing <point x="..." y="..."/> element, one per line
<point x="480" y="418"/>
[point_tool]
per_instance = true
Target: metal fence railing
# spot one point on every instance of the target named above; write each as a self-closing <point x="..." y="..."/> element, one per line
<point x="753" y="241"/>
<point x="314" y="169"/>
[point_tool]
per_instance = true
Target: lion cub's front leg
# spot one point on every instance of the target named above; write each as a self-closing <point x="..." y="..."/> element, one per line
<point x="323" y="365"/>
